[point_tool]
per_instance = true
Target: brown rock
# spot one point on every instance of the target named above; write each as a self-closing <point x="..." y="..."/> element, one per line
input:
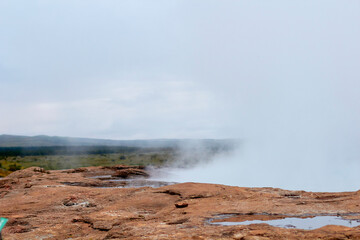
<point x="178" y="221"/>
<point x="254" y="238"/>
<point x="28" y="172"/>
<point x="102" y="225"/>
<point x="126" y="173"/>
<point x="69" y="205"/>
<point x="181" y="204"/>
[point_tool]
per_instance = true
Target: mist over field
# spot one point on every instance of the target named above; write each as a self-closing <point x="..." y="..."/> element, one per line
<point x="281" y="76"/>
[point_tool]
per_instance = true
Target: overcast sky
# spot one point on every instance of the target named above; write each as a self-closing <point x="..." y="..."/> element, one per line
<point x="181" y="69"/>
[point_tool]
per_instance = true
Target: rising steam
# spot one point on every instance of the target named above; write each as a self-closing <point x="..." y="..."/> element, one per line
<point x="299" y="140"/>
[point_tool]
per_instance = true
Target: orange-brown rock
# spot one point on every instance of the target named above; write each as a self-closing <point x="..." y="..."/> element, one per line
<point x="126" y="173"/>
<point x="181" y="204"/>
<point x="54" y="205"/>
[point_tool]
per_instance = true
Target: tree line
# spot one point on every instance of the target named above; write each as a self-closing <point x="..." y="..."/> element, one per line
<point x="64" y="150"/>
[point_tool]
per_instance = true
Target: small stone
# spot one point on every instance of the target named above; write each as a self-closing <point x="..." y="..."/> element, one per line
<point x="102" y="225"/>
<point x="181" y="204"/>
<point x="238" y="236"/>
<point x="255" y="238"/>
<point x="178" y="221"/>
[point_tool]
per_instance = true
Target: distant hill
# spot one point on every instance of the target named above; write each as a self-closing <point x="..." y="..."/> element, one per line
<point x="47" y="141"/>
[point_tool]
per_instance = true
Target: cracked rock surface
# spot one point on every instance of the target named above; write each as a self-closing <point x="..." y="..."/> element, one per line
<point x="39" y="205"/>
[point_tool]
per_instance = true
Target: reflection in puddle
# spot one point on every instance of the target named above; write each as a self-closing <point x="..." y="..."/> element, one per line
<point x="102" y="177"/>
<point x="294" y="222"/>
<point x="137" y="183"/>
<point x="107" y="181"/>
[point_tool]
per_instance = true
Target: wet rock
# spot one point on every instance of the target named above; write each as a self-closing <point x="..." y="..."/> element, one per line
<point x="99" y="184"/>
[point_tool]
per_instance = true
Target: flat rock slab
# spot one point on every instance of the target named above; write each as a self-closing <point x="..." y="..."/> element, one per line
<point x="39" y="205"/>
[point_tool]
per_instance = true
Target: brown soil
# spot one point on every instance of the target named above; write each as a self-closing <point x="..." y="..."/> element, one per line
<point x="39" y="205"/>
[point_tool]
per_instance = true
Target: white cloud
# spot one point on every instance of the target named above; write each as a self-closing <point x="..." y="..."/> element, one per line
<point x="117" y="109"/>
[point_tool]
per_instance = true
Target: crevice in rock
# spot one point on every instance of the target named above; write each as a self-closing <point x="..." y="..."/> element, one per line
<point x="170" y="192"/>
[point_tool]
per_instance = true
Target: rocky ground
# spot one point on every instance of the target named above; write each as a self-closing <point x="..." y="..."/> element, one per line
<point x="72" y="204"/>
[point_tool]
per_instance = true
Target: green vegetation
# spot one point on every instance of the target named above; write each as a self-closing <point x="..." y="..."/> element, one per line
<point x="144" y="157"/>
<point x="54" y="153"/>
<point x="64" y="150"/>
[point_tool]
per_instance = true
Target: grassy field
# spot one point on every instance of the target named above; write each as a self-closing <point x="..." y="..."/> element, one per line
<point x="161" y="157"/>
<point x="54" y="157"/>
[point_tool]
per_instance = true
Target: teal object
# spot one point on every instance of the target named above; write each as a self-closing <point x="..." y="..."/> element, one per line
<point x="2" y="223"/>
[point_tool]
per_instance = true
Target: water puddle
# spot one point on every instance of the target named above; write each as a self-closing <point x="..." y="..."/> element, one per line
<point x="300" y="222"/>
<point x="111" y="182"/>
<point x="137" y="183"/>
<point x="102" y="177"/>
<point x="108" y="178"/>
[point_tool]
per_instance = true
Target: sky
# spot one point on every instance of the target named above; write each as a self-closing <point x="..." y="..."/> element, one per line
<point x="179" y="69"/>
<point x="282" y="76"/>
